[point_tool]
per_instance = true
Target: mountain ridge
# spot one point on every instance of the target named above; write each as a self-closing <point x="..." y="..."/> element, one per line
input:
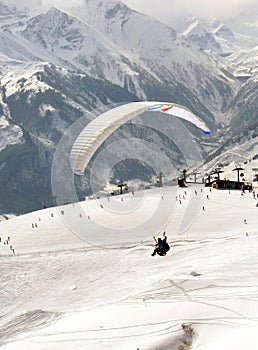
<point x="62" y="68"/>
<point x="238" y="51"/>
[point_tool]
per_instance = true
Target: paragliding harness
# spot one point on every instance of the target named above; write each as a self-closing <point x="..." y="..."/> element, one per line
<point x="161" y="246"/>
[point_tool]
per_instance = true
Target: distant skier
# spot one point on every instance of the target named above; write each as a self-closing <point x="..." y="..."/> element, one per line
<point x="161" y="246"/>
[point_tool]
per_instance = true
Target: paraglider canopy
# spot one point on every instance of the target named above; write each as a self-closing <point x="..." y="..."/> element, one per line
<point x="95" y="133"/>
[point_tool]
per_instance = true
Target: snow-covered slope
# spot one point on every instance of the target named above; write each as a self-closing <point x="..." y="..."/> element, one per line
<point x="9" y="134"/>
<point x="60" y="292"/>
<point x="245" y="62"/>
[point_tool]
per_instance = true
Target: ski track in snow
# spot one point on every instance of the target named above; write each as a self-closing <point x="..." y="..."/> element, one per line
<point x="68" y="294"/>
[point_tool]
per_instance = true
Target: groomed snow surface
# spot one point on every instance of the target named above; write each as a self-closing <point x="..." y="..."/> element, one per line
<point x="60" y="292"/>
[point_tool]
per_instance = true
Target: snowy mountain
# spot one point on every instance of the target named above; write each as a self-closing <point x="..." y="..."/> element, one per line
<point x="244" y="62"/>
<point x="200" y="34"/>
<point x="165" y="53"/>
<point x="221" y="30"/>
<point x="57" y="67"/>
<point x="239" y="51"/>
<point x="116" y="52"/>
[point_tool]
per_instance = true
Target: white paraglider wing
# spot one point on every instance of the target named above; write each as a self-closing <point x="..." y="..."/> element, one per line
<point x="95" y="133"/>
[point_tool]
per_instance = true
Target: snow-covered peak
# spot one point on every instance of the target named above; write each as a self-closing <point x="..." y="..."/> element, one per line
<point x="214" y="23"/>
<point x="53" y="21"/>
<point x="124" y="26"/>
<point x="196" y="28"/>
<point x="109" y="40"/>
<point x="113" y="6"/>
<point x="53" y="29"/>
<point x="97" y="12"/>
<point x="238" y="50"/>
<point x="223" y="31"/>
<point x="54" y="13"/>
<point x="69" y="42"/>
<point x="216" y="30"/>
<point x="200" y="34"/>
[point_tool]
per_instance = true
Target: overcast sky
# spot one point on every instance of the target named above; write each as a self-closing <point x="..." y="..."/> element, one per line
<point x="175" y="12"/>
<point x="237" y="13"/>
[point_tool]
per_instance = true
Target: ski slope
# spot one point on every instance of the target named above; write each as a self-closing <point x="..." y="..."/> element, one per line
<point x="82" y="276"/>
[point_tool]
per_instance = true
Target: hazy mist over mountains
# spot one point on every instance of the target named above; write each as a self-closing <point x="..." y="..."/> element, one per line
<point x="240" y="15"/>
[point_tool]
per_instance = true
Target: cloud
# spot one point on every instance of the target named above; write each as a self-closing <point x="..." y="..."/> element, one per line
<point x="42" y="5"/>
<point x="236" y="13"/>
<point x="63" y="4"/>
<point x="175" y="12"/>
<point x="20" y="4"/>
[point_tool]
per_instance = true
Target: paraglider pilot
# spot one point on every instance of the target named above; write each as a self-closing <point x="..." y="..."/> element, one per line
<point x="161" y="246"/>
